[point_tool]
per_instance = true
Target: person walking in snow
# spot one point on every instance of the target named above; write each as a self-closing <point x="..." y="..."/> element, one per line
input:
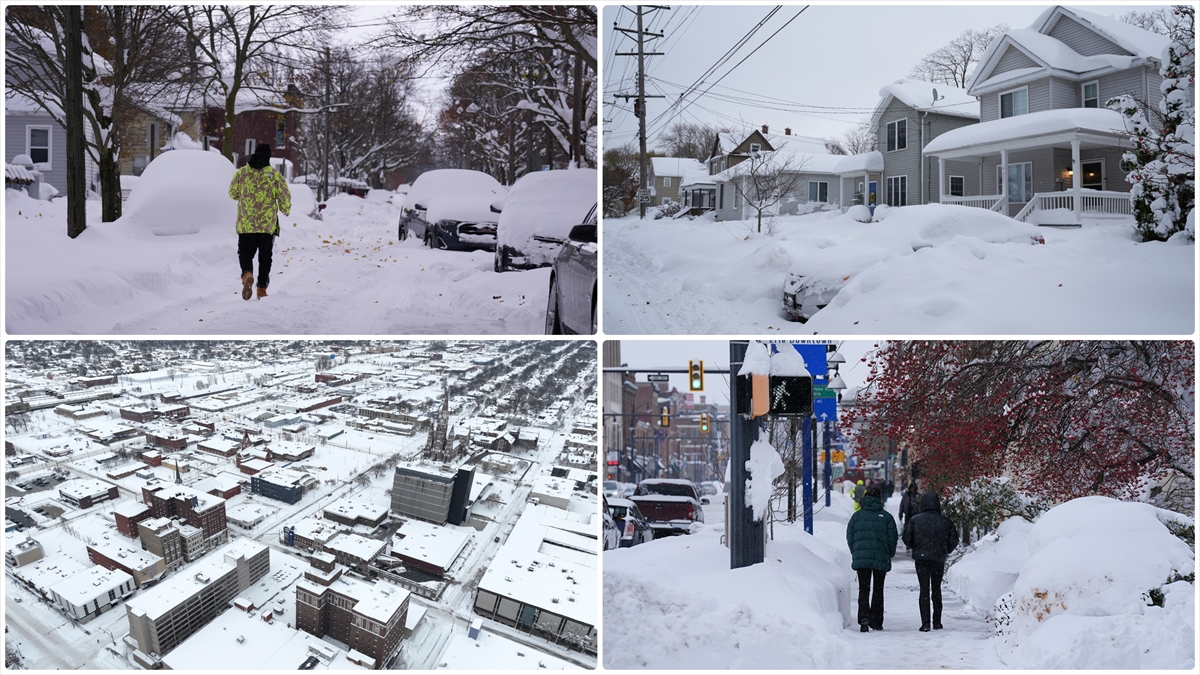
<point x="931" y="537"/>
<point x="261" y="194"/>
<point x="857" y="494"/>
<point x="871" y="534"/>
<point x="908" y="503"/>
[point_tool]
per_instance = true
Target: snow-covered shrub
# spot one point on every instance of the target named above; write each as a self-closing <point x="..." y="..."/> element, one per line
<point x="860" y="212"/>
<point x="881" y="212"/>
<point x="668" y="210"/>
<point x="987" y="502"/>
<point x="1106" y="586"/>
<point x="183" y="192"/>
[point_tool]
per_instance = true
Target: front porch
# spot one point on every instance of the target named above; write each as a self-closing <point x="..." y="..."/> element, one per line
<point x="1051" y="168"/>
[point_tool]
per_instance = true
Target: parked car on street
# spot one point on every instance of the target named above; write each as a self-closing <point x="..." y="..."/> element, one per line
<point x="451" y="209"/>
<point x="816" y="278"/>
<point x="612" y="488"/>
<point x="612" y="537"/>
<point x="538" y="213"/>
<point x="671" y="505"/>
<point x="571" y="303"/>
<point x="631" y="524"/>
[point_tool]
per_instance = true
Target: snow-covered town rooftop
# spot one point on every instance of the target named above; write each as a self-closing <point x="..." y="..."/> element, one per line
<point x="919" y="95"/>
<point x="1135" y="40"/>
<point x="439" y="546"/>
<point x="50" y="570"/>
<point x="130" y="508"/>
<point x="535" y="567"/>
<point x="353" y="509"/>
<point x="204" y="500"/>
<point x="1039" y="127"/>
<point x="357" y="546"/>
<point x="377" y="601"/>
<point x="177" y="588"/>
<point x="495" y="652"/>
<point x="675" y="166"/>
<point x="83" y="587"/>
<point x="83" y="487"/>
<point x="316" y="529"/>
<point x="123" y="553"/>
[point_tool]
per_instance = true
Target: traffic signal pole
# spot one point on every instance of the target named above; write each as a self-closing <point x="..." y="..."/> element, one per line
<point x="807" y="463"/>
<point x="745" y="534"/>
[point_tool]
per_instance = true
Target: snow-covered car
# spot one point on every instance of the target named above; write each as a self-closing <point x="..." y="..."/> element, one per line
<point x="539" y="212"/>
<point x="612" y="488"/>
<point x="451" y="208"/>
<point x="670" y="505"/>
<point x="816" y="278"/>
<point x="611" y="535"/>
<point x="571" y="302"/>
<point x="632" y="526"/>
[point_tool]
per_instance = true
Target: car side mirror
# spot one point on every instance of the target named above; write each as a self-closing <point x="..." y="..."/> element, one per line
<point x="321" y="207"/>
<point x="704" y="501"/>
<point x="418" y="207"/>
<point x="584" y="233"/>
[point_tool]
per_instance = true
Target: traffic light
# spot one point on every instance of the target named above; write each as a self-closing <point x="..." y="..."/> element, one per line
<point x="666" y="416"/>
<point x="695" y="376"/>
<point x="704" y="423"/>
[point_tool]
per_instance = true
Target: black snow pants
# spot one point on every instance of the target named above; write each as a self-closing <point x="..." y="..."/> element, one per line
<point x="929" y="576"/>
<point x="870" y="605"/>
<point x="259" y="242"/>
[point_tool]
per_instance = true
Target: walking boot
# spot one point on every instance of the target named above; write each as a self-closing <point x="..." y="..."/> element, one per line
<point x="247" y="282"/>
<point x="262" y="292"/>
<point x="937" y="625"/>
<point x="864" y="629"/>
<point x="924" y="628"/>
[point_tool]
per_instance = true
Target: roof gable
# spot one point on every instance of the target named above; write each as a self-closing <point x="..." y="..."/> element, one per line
<point x="1083" y="39"/>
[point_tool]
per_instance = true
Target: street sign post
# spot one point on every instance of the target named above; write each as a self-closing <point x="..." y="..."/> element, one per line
<point x="658" y="377"/>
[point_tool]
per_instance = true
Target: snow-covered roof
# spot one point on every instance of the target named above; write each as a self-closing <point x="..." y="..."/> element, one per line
<point x="357" y="546"/>
<point x="85" y="586"/>
<point x="1054" y="54"/>
<point x="20" y="104"/>
<point x="866" y="161"/>
<point x="918" y="94"/>
<point x="433" y="544"/>
<point x="674" y="166"/>
<point x="18" y="174"/>
<point x="1034" y="127"/>
<point x="124" y="554"/>
<point x="176" y="589"/>
<point x="378" y="601"/>
<point x="1133" y="39"/>
<point x="696" y="178"/>
<point x="357" y="508"/>
<point x="84" y="487"/>
<point x="130" y="508"/>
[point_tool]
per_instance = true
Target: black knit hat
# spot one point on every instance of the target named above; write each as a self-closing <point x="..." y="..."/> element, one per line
<point x="261" y="156"/>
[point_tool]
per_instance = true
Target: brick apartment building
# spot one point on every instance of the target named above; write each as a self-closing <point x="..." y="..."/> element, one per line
<point x="128" y="514"/>
<point x="367" y="618"/>
<point x="193" y="507"/>
<point x="141" y="565"/>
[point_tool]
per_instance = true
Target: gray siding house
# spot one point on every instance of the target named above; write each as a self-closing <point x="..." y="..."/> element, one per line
<point x="1048" y="149"/>
<point x="667" y="174"/>
<point x="909" y="115"/>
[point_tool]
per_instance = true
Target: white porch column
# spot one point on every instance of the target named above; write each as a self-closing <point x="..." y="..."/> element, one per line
<point x="941" y="180"/>
<point x="867" y="188"/>
<point x="1076" y="182"/>
<point x="1004" y="180"/>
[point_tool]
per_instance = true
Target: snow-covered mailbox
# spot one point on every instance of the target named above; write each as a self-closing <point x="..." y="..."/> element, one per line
<point x="21" y="174"/>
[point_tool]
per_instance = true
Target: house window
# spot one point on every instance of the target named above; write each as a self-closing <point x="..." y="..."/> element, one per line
<point x="897" y="135"/>
<point x="1127" y="166"/>
<point x="1091" y="94"/>
<point x="1020" y="182"/>
<point x="818" y="191"/>
<point x="152" y="137"/>
<point x="37" y="144"/>
<point x="737" y="198"/>
<point x="280" y="133"/>
<point x="897" y="191"/>
<point x="666" y="181"/>
<point x="956" y="186"/>
<point x="250" y="143"/>
<point x="721" y="196"/>
<point x="1013" y="103"/>
<point x="755" y="148"/>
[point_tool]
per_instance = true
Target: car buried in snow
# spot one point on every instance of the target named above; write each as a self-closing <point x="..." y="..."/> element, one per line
<point x="538" y="213"/>
<point x="571" y="302"/>
<point x="451" y="209"/>
<point x="816" y="278"/>
<point x="671" y="505"/>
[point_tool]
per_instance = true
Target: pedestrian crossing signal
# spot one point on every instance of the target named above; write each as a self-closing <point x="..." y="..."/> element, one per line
<point x="695" y="376"/>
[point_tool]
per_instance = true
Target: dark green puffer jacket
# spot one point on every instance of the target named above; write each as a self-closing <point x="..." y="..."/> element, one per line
<point x="871" y="534"/>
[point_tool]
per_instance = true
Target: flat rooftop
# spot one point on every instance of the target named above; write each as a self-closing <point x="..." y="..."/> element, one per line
<point x="180" y="586"/>
<point x="428" y="543"/>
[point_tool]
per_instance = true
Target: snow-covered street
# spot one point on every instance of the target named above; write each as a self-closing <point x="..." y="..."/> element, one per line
<point x="704" y="277"/>
<point x="346" y="275"/>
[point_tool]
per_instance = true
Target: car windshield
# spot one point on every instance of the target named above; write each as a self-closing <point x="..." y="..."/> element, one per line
<point x="668" y="489"/>
<point x="617" y="511"/>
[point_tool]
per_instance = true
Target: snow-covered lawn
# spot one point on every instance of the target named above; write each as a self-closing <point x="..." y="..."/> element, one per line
<point x="346" y="275"/>
<point x="705" y="277"/>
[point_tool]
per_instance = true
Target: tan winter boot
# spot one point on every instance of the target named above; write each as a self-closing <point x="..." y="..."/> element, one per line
<point x="262" y="292"/>
<point x="247" y="282"/>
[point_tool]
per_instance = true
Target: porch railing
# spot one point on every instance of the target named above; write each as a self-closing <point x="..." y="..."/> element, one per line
<point x="981" y="201"/>
<point x="1093" y="203"/>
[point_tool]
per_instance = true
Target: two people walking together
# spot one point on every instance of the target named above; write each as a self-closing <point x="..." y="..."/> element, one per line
<point x="872" y="536"/>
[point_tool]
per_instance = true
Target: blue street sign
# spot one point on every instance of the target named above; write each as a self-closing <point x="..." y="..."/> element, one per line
<point x="825" y="409"/>
<point x="814" y="359"/>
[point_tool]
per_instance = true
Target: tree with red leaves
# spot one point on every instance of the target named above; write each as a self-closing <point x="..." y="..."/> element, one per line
<point x="1062" y="419"/>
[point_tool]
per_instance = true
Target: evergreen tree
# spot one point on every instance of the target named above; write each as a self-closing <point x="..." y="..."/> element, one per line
<point x="1164" y="139"/>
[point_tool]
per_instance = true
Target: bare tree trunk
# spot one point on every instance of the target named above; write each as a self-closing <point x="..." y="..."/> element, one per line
<point x="76" y="185"/>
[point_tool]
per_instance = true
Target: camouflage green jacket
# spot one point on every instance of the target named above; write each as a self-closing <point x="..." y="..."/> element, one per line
<point x="260" y="193"/>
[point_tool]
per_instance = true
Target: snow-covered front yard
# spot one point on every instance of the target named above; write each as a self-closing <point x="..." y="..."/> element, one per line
<point x="705" y="277"/>
<point x="346" y="275"/>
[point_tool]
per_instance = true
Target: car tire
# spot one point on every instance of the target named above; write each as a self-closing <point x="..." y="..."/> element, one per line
<point x="403" y="233"/>
<point x="553" y="324"/>
<point x="593" y="311"/>
<point x="428" y="238"/>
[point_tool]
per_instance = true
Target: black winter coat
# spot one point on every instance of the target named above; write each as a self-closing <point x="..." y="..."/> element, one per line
<point x="871" y="535"/>
<point x="908" y="506"/>
<point x="929" y="534"/>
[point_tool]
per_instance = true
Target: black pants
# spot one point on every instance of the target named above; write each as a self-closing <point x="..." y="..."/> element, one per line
<point x="870" y="605"/>
<point x="248" y="244"/>
<point x="929" y="576"/>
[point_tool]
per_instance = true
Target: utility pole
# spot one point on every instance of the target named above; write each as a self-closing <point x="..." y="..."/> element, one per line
<point x="76" y="185"/>
<point x="639" y="105"/>
<point x="325" y="153"/>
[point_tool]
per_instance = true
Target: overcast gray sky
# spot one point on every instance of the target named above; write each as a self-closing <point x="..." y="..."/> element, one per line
<point x="837" y="56"/>
<point x="675" y="353"/>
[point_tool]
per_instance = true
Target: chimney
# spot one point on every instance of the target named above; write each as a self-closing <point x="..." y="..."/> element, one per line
<point x="787" y="131"/>
<point x="765" y="129"/>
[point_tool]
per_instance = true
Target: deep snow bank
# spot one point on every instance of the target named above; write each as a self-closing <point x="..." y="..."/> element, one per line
<point x="1081" y="596"/>
<point x="183" y="192"/>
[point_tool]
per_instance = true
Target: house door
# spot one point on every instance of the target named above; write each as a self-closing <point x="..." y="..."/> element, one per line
<point x="1093" y="174"/>
<point x="872" y="190"/>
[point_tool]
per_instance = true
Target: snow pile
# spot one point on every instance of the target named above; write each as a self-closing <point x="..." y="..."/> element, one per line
<point x="547" y="203"/>
<point x="47" y="191"/>
<point x="674" y="603"/>
<point x="183" y="192"/>
<point x="859" y="213"/>
<point x="455" y="194"/>
<point x="787" y="362"/>
<point x="757" y="360"/>
<point x="1083" y="596"/>
<point x="304" y="201"/>
<point x="764" y="466"/>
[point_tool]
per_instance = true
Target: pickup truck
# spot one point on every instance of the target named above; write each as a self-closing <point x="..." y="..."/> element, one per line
<point x="670" y="505"/>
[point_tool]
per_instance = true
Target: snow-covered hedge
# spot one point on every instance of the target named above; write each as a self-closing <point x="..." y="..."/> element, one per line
<point x="1094" y="583"/>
